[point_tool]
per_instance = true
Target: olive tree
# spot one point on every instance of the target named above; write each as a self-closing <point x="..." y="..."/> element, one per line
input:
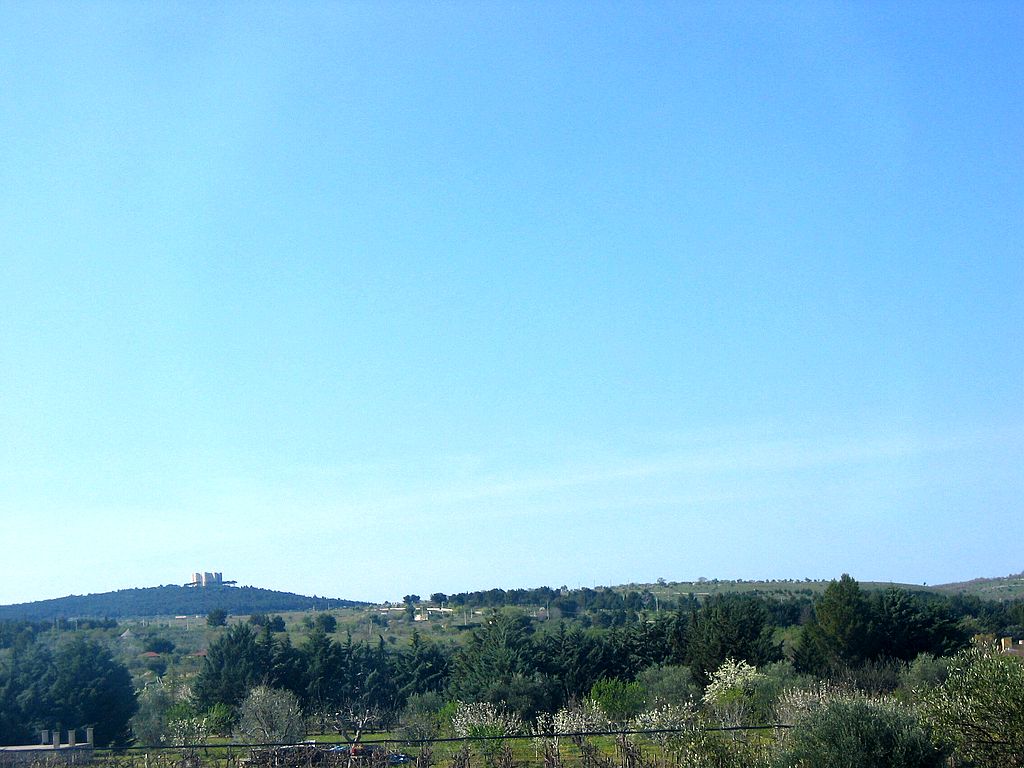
<point x="977" y="709"/>
<point x="856" y="731"/>
<point x="271" y="716"/>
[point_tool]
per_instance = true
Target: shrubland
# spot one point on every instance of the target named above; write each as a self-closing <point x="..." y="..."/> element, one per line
<point x="846" y="674"/>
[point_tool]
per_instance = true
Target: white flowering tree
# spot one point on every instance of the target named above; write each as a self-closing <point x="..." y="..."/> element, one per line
<point x="485" y="724"/>
<point x="168" y="716"/>
<point x="681" y="731"/>
<point x="795" y="703"/>
<point x="573" y="722"/>
<point x="731" y="691"/>
<point x="669" y="723"/>
<point x="188" y="732"/>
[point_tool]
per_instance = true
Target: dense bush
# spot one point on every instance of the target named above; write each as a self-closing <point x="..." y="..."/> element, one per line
<point x="668" y="684"/>
<point x="977" y="710"/>
<point x="857" y="732"/>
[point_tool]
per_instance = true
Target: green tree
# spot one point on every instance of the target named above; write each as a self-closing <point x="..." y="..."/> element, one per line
<point x="668" y="684"/>
<point x="380" y="694"/>
<point x="906" y="625"/>
<point x="977" y="709"/>
<point x="161" y="705"/>
<point x="149" y="725"/>
<point x="287" y="670"/>
<point x="326" y="622"/>
<point x="619" y="701"/>
<point x="90" y="688"/>
<point x="731" y="626"/>
<point x="860" y="733"/>
<point x="421" y="718"/>
<point x="841" y="632"/>
<point x="923" y="674"/>
<point x="422" y="668"/>
<point x="159" y="645"/>
<point x="216" y="618"/>
<point x="234" y="664"/>
<point x="324" y="665"/>
<point x="411" y="601"/>
<point x="220" y="719"/>
<point x="498" y="664"/>
<point x="573" y="658"/>
<point x="26" y="680"/>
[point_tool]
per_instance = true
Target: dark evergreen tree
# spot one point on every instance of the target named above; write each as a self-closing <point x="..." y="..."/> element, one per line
<point x="26" y="681"/>
<point x="499" y="664"/>
<point x="91" y="689"/>
<point x="573" y="659"/>
<point x="730" y="626"/>
<point x="380" y="691"/>
<point x="842" y="631"/>
<point x="234" y="663"/>
<point x="286" y="663"/>
<point x="423" y="668"/>
<point x="323" y="663"/>
<point x="80" y="685"/>
<point x="326" y="622"/>
<point x="905" y="625"/>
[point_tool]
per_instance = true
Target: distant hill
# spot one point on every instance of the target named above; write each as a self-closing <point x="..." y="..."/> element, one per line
<point x="169" y="600"/>
<point x="999" y="588"/>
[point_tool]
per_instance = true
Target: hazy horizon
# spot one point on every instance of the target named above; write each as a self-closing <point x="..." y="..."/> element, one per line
<point x="425" y="595"/>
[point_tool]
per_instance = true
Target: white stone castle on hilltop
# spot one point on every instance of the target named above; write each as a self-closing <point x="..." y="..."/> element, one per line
<point x="206" y="579"/>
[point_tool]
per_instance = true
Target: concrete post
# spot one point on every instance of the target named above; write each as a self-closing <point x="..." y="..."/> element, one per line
<point x="56" y="738"/>
<point x="46" y="736"/>
<point x="71" y="737"/>
<point x="88" y="735"/>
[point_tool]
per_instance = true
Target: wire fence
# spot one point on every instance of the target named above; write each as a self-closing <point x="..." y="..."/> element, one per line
<point x="651" y="748"/>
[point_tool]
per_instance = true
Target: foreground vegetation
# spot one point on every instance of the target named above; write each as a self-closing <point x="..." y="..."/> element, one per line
<point x="872" y="677"/>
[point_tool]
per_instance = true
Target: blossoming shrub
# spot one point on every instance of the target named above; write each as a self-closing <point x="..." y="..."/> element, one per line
<point x="573" y="722"/>
<point x="487" y="724"/>
<point x="731" y="693"/>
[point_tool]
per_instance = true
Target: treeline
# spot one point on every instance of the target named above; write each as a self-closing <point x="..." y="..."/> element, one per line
<point x="533" y="667"/>
<point x="564" y="599"/>
<point x="168" y="600"/>
<point x="604" y="608"/>
<point x="15" y="633"/>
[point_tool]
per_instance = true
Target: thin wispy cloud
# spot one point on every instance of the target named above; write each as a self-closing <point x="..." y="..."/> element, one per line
<point x="733" y="469"/>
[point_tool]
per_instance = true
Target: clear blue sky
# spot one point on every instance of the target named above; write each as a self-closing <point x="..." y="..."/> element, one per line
<point x="364" y="299"/>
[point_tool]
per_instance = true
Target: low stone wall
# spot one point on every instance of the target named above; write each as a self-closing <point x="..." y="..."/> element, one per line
<point x="44" y="756"/>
